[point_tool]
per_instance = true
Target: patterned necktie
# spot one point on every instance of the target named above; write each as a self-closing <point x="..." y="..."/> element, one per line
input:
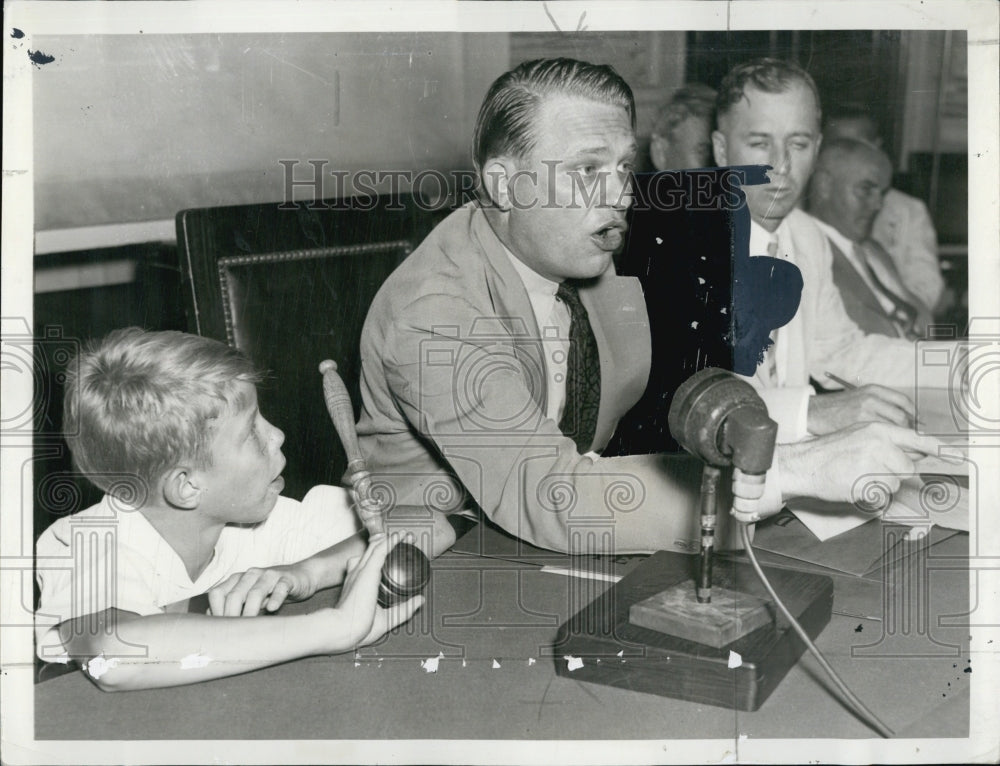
<point x="903" y="314"/>
<point x="583" y="373"/>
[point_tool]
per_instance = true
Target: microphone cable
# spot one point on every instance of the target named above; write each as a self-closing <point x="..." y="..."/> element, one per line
<point x="856" y="703"/>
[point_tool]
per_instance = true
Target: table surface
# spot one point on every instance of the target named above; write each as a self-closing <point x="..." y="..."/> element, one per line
<point x="494" y="622"/>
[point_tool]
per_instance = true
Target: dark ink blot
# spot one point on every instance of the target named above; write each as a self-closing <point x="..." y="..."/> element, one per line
<point x="710" y="304"/>
<point x="766" y="290"/>
<point x="967" y="670"/>
<point x="38" y="58"/>
<point x="859" y="628"/>
<point x="16" y="33"/>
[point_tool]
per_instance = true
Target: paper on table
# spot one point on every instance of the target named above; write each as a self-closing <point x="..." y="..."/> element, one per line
<point x="932" y="497"/>
<point x="941" y="500"/>
<point x="826" y="520"/>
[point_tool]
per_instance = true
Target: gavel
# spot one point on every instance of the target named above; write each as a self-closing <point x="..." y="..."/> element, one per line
<point x="406" y="569"/>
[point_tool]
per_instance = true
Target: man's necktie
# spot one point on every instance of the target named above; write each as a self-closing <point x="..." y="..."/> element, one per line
<point x="583" y="373"/>
<point x="903" y="314"/>
<point x="770" y="355"/>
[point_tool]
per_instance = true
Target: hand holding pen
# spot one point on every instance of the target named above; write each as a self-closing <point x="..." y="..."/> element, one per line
<point x="858" y="404"/>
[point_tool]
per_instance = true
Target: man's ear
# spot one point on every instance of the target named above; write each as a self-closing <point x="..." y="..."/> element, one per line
<point x="181" y="488"/>
<point x="819" y="186"/>
<point x="497" y="174"/>
<point x="719" y="148"/>
<point x="658" y="152"/>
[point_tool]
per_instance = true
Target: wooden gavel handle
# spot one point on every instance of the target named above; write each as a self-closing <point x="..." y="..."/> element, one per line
<point x="338" y="404"/>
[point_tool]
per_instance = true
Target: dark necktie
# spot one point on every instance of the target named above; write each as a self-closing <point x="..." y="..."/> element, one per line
<point x="583" y="374"/>
<point x="903" y="314"/>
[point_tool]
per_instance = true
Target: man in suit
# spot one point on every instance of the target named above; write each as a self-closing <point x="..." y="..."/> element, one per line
<point x="497" y="359"/>
<point x="768" y="113"/>
<point x="903" y="226"/>
<point x="846" y="193"/>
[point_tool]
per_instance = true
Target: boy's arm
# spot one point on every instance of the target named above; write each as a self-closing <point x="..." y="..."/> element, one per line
<point x="187" y="648"/>
<point x="265" y="589"/>
<point x="248" y="593"/>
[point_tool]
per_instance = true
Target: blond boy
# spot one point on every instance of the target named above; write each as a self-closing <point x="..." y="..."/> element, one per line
<point x="167" y="425"/>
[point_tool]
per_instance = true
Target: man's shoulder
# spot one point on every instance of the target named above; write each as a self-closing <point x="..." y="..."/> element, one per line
<point x="454" y="241"/>
<point x="447" y="266"/>
<point x="806" y="232"/>
<point x="896" y="203"/>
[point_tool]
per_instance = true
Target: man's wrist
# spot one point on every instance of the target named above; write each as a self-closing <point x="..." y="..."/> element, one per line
<point x="788" y="466"/>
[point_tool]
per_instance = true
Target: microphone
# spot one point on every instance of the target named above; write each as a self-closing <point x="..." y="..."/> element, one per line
<point x="721" y="420"/>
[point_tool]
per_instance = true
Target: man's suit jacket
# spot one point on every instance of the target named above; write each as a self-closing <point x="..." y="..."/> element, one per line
<point x="821" y="336"/>
<point x="861" y="304"/>
<point x="453" y="388"/>
<point x="904" y="228"/>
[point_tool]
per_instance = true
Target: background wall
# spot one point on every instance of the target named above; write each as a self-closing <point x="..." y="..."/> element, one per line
<point x="135" y="128"/>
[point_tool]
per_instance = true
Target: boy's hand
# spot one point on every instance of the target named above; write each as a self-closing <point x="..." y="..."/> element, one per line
<point x="359" y="598"/>
<point x="246" y="593"/>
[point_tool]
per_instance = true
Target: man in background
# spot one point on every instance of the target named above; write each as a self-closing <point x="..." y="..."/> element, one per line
<point x="768" y="113"/>
<point x="845" y="194"/>
<point x="681" y="137"/>
<point x="903" y="226"/>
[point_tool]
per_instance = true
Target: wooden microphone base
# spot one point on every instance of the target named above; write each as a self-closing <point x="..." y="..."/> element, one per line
<point x="733" y="655"/>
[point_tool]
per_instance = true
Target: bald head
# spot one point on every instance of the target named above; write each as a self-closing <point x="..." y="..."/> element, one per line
<point x="848" y="184"/>
<point x="851" y="122"/>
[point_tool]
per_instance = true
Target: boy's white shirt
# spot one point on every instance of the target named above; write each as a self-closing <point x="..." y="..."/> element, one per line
<point x="78" y="575"/>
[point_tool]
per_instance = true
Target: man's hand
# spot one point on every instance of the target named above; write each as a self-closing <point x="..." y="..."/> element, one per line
<point x="358" y="605"/>
<point x="246" y="593"/>
<point x="867" y="404"/>
<point x="828" y="468"/>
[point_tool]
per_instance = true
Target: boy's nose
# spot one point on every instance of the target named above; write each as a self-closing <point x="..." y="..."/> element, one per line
<point x="278" y="437"/>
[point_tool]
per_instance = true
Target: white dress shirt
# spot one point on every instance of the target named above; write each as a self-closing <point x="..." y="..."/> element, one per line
<point x="791" y="413"/>
<point x="553" y="319"/>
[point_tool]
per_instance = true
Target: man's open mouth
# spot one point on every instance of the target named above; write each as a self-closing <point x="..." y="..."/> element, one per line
<point x="610" y="236"/>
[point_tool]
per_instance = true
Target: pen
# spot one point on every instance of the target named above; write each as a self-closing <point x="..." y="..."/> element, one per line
<point x="848" y="386"/>
<point x="840" y="380"/>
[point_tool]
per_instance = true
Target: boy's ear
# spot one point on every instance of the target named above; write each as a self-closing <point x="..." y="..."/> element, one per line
<point x="180" y="488"/>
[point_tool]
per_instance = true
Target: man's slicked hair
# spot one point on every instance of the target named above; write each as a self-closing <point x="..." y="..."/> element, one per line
<point x="139" y="403"/>
<point x="765" y="74"/>
<point x="506" y="122"/>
